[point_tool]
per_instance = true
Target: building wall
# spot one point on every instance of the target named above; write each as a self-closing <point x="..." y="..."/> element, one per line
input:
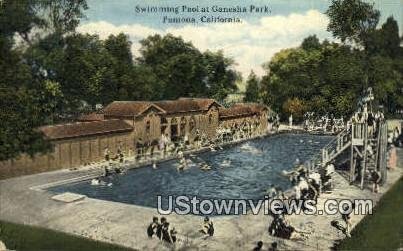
<point x="263" y="119"/>
<point x="66" y="154"/>
<point x="260" y="120"/>
<point x="181" y="124"/>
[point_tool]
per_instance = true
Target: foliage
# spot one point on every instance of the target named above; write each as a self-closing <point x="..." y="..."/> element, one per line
<point x="381" y="231"/>
<point x="21" y="112"/>
<point x="310" y="43"/>
<point x="294" y="107"/>
<point x="352" y="20"/>
<point x="252" y="88"/>
<point x="28" y="100"/>
<point x="185" y="71"/>
<point x="330" y="77"/>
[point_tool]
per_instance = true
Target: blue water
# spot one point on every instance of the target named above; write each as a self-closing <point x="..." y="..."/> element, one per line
<point x="243" y="171"/>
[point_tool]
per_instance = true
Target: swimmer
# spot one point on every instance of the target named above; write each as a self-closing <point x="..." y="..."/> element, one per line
<point x="226" y="163"/>
<point x="181" y="165"/>
<point x="180" y="168"/>
<point x="99" y="182"/>
<point x="95" y="182"/>
<point x="204" y="166"/>
<point x="180" y="154"/>
<point x="106" y="172"/>
<point x="119" y="170"/>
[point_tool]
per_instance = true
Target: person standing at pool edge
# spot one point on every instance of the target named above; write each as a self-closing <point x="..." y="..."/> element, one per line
<point x="290" y="121"/>
<point x="152" y="228"/>
<point x="207" y="227"/>
<point x="107" y="154"/>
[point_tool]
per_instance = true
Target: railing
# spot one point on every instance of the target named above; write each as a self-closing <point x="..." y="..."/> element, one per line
<point x="331" y="150"/>
<point x="382" y="150"/>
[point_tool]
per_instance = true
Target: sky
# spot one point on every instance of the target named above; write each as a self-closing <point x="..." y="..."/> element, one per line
<point x="250" y="43"/>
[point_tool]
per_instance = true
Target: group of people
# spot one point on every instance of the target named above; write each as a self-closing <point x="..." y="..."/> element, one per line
<point x="281" y="228"/>
<point x="372" y="119"/>
<point x="325" y="123"/>
<point x="119" y="156"/>
<point x="110" y="169"/>
<point x="162" y="230"/>
<point x="307" y="186"/>
<point x="237" y="132"/>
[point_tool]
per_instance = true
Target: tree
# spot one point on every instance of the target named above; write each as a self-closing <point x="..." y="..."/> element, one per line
<point x="145" y="84"/>
<point x="323" y="79"/>
<point x="390" y="33"/>
<point x="25" y="110"/>
<point x="311" y="43"/>
<point x="88" y="73"/>
<point x="294" y="107"/>
<point x="220" y="77"/>
<point x="252" y="88"/>
<point x="330" y="77"/>
<point x="388" y="83"/>
<point x="385" y="41"/>
<point x="184" y="70"/>
<point x="176" y="62"/>
<point x="60" y="16"/>
<point x="19" y="17"/>
<point x="119" y="47"/>
<point x="352" y="20"/>
<point x="28" y="93"/>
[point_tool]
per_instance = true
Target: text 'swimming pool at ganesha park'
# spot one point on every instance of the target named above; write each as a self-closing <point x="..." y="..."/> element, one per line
<point x="183" y="205"/>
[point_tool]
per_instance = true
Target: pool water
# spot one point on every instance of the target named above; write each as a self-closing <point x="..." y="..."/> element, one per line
<point x="243" y="171"/>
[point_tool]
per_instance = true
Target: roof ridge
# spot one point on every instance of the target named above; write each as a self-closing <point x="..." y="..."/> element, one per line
<point x="79" y="122"/>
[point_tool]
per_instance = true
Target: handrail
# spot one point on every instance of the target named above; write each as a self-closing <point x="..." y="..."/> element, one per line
<point x="333" y="147"/>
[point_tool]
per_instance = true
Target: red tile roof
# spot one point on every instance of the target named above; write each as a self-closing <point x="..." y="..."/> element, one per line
<point x="236" y="111"/>
<point x="80" y="129"/>
<point x="256" y="107"/>
<point x="135" y="108"/>
<point x="128" y="108"/>
<point x="186" y="105"/>
<point x="94" y="116"/>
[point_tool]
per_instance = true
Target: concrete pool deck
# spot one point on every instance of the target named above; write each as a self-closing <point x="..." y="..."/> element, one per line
<point x="126" y="224"/>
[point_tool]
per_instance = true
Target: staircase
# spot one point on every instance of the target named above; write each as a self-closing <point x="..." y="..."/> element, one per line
<point x="333" y="149"/>
<point x="367" y="151"/>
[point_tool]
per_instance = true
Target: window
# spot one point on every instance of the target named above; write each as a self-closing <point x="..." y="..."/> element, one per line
<point x="210" y="118"/>
<point x="148" y="127"/>
<point x="183" y="123"/>
<point x="192" y="123"/>
<point x="164" y="121"/>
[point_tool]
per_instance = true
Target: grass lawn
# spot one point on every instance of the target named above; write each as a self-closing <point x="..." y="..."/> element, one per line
<point x="28" y="238"/>
<point x="384" y="229"/>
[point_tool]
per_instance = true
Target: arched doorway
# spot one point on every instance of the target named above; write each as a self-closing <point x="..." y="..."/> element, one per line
<point x="174" y="129"/>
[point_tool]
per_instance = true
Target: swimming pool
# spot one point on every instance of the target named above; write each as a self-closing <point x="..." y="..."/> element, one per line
<point x="243" y="171"/>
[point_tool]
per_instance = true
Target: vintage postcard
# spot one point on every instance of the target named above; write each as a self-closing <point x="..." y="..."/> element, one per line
<point x="201" y="125"/>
